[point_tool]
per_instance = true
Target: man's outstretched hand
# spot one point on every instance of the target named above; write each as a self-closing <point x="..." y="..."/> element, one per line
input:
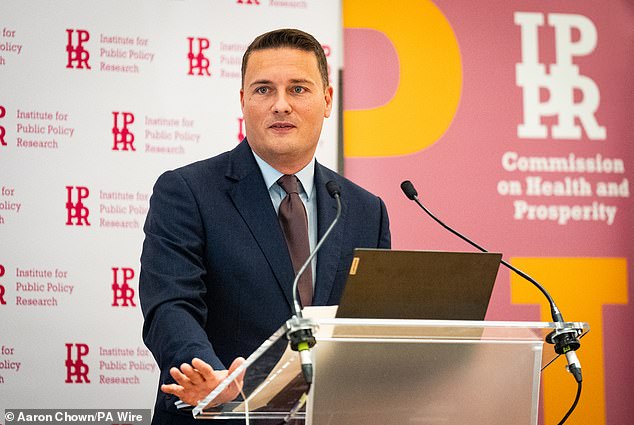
<point x="194" y="382"/>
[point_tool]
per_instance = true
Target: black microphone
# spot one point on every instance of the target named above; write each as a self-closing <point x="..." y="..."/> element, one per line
<point x="333" y="189"/>
<point x="300" y="330"/>
<point x="565" y="340"/>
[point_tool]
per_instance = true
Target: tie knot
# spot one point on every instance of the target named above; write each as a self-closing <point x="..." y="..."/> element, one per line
<point x="289" y="183"/>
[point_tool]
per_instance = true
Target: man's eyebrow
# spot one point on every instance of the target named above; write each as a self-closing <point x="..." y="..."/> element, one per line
<point x="302" y="81"/>
<point x="258" y="82"/>
<point x="291" y="81"/>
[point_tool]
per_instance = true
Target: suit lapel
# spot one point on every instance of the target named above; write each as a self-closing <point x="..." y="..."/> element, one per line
<point x="253" y="202"/>
<point x="329" y="255"/>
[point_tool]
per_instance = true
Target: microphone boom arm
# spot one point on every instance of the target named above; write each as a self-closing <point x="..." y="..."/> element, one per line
<point x="554" y="310"/>
<point x="565" y="340"/>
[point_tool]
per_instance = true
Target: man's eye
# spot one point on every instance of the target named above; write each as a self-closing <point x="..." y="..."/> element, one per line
<point x="262" y="90"/>
<point x="298" y="89"/>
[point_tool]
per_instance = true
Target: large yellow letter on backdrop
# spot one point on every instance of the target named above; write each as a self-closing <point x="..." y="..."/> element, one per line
<point x="580" y="286"/>
<point x="429" y="85"/>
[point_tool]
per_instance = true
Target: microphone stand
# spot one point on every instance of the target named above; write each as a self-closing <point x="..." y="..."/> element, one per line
<point x="299" y="329"/>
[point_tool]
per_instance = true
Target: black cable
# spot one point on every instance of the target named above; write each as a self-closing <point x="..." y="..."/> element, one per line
<point x="577" y="397"/>
<point x="298" y="405"/>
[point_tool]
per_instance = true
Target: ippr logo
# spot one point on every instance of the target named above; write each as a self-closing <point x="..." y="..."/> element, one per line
<point x="75" y="367"/>
<point x="240" y="129"/>
<point x="3" y="113"/>
<point x="197" y="59"/>
<point x="123" y="136"/>
<point x="251" y="2"/>
<point x="77" y="211"/>
<point x="562" y="81"/>
<point x="122" y="292"/>
<point x="77" y="54"/>
<point x="2" y="290"/>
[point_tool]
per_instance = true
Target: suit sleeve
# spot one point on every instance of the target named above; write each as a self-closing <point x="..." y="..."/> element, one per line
<point x="171" y="284"/>
<point x="385" y="239"/>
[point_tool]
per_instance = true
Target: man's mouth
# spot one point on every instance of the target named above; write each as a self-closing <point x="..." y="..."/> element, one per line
<point x="282" y="126"/>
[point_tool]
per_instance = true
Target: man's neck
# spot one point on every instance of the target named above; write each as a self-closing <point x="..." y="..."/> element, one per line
<point x="287" y="165"/>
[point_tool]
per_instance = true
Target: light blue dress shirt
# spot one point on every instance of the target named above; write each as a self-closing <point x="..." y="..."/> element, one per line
<point x="307" y="194"/>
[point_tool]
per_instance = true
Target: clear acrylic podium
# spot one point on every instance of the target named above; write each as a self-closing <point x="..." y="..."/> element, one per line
<point x="371" y="371"/>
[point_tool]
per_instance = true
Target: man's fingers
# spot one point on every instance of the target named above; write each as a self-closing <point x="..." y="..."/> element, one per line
<point x="179" y="377"/>
<point x="188" y="379"/>
<point x="236" y="364"/>
<point x="234" y="389"/>
<point x="204" y="369"/>
<point x="173" y="389"/>
<point x="196" y="380"/>
<point x="187" y="396"/>
<point x="194" y="375"/>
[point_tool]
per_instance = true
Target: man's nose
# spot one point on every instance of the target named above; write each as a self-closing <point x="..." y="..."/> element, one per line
<point x="282" y="104"/>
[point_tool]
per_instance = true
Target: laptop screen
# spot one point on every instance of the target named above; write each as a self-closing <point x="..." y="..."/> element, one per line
<point x="392" y="284"/>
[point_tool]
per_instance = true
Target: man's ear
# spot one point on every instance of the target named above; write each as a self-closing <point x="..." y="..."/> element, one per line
<point x="328" y="99"/>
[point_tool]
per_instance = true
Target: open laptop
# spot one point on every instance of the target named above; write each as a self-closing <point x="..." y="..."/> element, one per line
<point x="392" y="284"/>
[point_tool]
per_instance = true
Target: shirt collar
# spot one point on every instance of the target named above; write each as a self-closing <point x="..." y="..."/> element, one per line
<point x="306" y="175"/>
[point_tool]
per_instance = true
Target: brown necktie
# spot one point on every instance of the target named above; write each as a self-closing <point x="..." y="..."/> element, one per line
<point x="292" y="215"/>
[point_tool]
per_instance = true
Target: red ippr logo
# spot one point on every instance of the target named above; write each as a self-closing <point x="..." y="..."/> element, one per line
<point x="122" y="292"/>
<point x="77" y="211"/>
<point x="197" y="59"/>
<point x="75" y="366"/>
<point x="240" y="129"/>
<point x="123" y="137"/>
<point x="2" y="290"/>
<point x="77" y="55"/>
<point x="251" y="2"/>
<point x="3" y="112"/>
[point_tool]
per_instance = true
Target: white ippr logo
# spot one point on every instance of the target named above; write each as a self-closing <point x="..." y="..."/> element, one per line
<point x="562" y="81"/>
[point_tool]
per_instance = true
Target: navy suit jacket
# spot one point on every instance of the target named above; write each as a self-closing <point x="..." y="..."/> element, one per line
<point x="216" y="275"/>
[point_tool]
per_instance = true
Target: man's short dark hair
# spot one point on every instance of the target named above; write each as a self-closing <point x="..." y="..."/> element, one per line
<point x="292" y="38"/>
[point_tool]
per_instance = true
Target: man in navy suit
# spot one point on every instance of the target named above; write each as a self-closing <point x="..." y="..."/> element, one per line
<point x="216" y="272"/>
